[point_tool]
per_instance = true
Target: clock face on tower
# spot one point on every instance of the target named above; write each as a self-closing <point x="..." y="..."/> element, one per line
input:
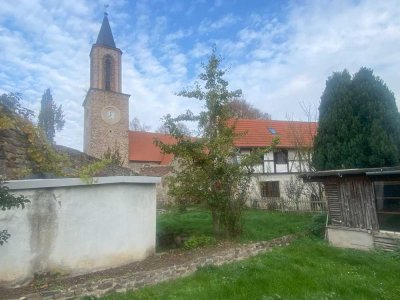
<point x="110" y="114"/>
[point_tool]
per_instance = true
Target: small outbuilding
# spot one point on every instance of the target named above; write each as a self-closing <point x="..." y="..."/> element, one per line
<point x="363" y="206"/>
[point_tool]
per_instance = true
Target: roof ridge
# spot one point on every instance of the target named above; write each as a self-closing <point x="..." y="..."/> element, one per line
<point x="150" y="132"/>
<point x="281" y="121"/>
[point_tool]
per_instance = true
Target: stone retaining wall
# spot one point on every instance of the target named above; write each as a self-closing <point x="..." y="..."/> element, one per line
<point x="13" y="153"/>
<point x="140" y="279"/>
<point x="15" y="161"/>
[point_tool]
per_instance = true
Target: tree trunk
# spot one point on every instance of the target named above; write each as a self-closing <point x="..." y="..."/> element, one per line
<point x="216" y="224"/>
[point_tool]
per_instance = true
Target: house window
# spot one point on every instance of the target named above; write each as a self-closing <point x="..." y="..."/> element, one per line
<point x="281" y="157"/>
<point x="107" y="73"/>
<point x="387" y="197"/>
<point x="270" y="189"/>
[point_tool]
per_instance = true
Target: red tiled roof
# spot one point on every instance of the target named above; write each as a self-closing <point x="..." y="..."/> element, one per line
<point x="259" y="133"/>
<point x="143" y="149"/>
<point x="256" y="133"/>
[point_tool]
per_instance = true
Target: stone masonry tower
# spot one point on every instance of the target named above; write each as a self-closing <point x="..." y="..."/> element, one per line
<point x="106" y="108"/>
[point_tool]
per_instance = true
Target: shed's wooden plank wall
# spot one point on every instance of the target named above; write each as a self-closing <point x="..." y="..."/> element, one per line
<point x="351" y="202"/>
<point x="387" y="241"/>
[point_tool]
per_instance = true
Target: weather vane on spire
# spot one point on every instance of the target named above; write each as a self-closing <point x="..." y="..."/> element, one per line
<point x="105" y="9"/>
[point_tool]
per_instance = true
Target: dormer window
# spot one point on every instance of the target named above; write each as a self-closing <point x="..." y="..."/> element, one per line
<point x="107" y="73"/>
<point x="272" y="130"/>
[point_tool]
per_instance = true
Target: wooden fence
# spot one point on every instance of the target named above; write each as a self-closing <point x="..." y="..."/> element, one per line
<point x="289" y="205"/>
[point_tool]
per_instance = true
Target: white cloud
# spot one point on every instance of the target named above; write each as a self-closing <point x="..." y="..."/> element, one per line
<point x="319" y="38"/>
<point x="45" y="46"/>
<point x="207" y="25"/>
<point x="199" y="50"/>
<point x="278" y="60"/>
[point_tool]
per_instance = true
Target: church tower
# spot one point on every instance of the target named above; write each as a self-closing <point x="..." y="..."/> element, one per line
<point x="106" y="107"/>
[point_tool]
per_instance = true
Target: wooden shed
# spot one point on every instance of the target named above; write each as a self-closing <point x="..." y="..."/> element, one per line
<point x="363" y="206"/>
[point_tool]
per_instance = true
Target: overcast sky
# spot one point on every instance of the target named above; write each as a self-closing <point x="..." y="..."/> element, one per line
<point x="280" y="53"/>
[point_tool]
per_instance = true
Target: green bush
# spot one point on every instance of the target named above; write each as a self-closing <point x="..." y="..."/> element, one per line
<point x="198" y="241"/>
<point x="317" y="226"/>
<point x="7" y="202"/>
<point x="86" y="173"/>
<point x="89" y="298"/>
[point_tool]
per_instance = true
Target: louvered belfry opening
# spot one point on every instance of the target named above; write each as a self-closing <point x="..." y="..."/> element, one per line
<point x="107" y="73"/>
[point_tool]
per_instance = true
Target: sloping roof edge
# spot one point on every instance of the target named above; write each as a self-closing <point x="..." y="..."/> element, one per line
<point x="383" y="171"/>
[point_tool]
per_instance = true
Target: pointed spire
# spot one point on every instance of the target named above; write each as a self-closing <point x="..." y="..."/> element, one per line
<point x="105" y="37"/>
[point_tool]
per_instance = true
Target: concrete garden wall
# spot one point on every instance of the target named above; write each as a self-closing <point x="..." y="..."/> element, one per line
<point x="350" y="238"/>
<point x="71" y="227"/>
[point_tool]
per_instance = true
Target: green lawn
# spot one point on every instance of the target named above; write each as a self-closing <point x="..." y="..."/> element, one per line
<point x="307" y="269"/>
<point x="257" y="224"/>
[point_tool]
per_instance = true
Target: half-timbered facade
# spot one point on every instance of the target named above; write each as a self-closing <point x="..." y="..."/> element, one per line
<point x="277" y="168"/>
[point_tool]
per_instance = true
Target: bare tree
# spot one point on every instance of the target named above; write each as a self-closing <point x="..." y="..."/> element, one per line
<point x="181" y="127"/>
<point x="294" y="189"/>
<point x="303" y="137"/>
<point x="241" y="109"/>
<point x="136" y="125"/>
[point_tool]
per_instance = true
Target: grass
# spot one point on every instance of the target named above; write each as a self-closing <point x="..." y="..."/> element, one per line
<point x="307" y="269"/>
<point x="257" y="224"/>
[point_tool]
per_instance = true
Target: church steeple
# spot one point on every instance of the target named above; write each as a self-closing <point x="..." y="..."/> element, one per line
<point x="105" y="57"/>
<point x="106" y="107"/>
<point x="105" y="37"/>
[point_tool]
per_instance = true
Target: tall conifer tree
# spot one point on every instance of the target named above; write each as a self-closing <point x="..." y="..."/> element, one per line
<point x="51" y="117"/>
<point x="359" y="124"/>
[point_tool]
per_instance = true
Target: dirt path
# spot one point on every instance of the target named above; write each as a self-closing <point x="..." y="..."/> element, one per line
<point x="154" y="269"/>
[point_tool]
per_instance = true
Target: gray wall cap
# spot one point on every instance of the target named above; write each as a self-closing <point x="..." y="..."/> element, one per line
<point x="66" y="182"/>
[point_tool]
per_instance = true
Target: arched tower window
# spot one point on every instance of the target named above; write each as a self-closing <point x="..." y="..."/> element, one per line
<point x="107" y="73"/>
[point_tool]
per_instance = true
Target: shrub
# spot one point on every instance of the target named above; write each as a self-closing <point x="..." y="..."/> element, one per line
<point x="9" y="201"/>
<point x="86" y="173"/>
<point x="198" y="241"/>
<point x="317" y="226"/>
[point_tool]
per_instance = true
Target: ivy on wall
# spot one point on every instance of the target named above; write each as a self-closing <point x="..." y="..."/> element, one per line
<point x="42" y="155"/>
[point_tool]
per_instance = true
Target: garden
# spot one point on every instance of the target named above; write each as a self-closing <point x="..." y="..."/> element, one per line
<point x="307" y="269"/>
<point x="186" y="229"/>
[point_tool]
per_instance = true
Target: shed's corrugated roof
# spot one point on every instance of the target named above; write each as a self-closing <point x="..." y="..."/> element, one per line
<point x="351" y="172"/>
